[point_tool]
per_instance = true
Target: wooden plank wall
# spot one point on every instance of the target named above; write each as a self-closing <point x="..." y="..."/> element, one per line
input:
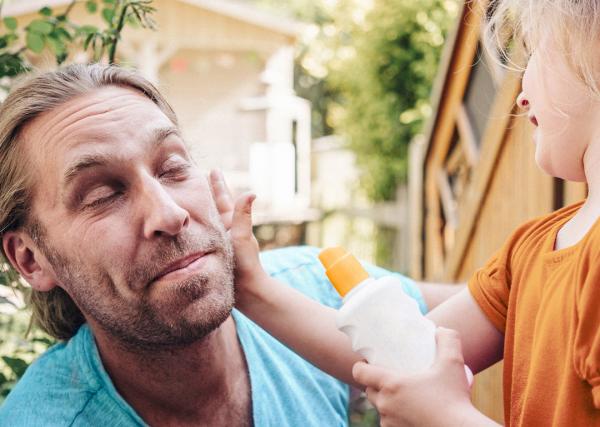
<point x="463" y="51"/>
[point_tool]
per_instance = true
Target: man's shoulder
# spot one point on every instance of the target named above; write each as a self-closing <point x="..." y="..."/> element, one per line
<point x="44" y="390"/>
<point x="299" y="267"/>
<point x="55" y="390"/>
<point x="277" y="261"/>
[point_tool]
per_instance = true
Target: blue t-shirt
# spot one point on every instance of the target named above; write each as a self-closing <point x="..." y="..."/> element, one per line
<point x="68" y="386"/>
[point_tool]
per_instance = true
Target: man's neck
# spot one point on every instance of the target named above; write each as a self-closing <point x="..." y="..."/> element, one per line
<point x="190" y="383"/>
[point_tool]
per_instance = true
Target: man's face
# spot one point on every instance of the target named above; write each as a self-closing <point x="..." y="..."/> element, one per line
<point x="128" y="224"/>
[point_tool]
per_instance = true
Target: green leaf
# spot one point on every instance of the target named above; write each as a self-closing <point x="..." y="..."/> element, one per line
<point x="11" y="65"/>
<point x="108" y="1"/>
<point x="62" y="33"/>
<point x="11" y="37"/>
<point x="56" y="46"/>
<point x="108" y="15"/>
<point x="87" y="40"/>
<point x="88" y="29"/>
<point x="91" y="6"/>
<point x="34" y="42"/>
<point x="18" y="366"/>
<point x="43" y="340"/>
<point x="45" y="11"/>
<point x="3" y="44"/>
<point x="10" y="23"/>
<point x="41" y="27"/>
<point x="60" y="58"/>
<point x="132" y="20"/>
<point x="5" y="390"/>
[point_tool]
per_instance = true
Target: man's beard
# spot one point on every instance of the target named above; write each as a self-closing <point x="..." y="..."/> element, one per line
<point x="191" y="310"/>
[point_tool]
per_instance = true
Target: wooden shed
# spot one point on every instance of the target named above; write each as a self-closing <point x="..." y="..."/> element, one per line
<point x="473" y="176"/>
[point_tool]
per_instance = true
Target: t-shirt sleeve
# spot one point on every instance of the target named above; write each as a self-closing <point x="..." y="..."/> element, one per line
<point x="490" y="286"/>
<point x="587" y="332"/>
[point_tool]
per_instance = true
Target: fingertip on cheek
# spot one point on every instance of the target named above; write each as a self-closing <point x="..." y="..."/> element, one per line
<point x="357" y="369"/>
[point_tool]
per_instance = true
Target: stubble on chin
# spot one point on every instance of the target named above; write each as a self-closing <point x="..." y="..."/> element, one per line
<point x="196" y="307"/>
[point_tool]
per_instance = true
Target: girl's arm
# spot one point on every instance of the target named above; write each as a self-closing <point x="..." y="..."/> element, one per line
<point x="309" y="327"/>
<point x="482" y="343"/>
<point x="304" y="325"/>
<point x="301" y="323"/>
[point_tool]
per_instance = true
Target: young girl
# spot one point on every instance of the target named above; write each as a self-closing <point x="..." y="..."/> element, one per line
<point x="535" y="304"/>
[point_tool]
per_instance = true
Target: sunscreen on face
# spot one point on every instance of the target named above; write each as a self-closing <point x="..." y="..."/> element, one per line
<point x="384" y="324"/>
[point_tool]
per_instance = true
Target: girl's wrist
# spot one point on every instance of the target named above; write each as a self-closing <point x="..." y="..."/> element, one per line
<point x="253" y="291"/>
<point x="468" y="416"/>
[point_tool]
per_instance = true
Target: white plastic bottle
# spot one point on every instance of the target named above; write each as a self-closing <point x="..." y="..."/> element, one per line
<point x="384" y="324"/>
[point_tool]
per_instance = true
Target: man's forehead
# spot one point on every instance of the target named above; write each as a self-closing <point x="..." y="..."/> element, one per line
<point x="100" y="121"/>
<point x="99" y="116"/>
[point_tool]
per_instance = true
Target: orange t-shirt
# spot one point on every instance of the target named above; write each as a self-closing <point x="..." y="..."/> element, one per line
<point x="546" y="302"/>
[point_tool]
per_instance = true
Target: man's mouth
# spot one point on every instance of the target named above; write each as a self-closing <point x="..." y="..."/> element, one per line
<point x="183" y="267"/>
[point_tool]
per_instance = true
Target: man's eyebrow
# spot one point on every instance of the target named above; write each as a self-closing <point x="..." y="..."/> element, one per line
<point x="160" y="134"/>
<point x="157" y="137"/>
<point x="85" y="162"/>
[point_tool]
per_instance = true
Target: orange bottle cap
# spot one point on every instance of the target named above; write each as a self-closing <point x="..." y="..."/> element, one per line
<point x="342" y="268"/>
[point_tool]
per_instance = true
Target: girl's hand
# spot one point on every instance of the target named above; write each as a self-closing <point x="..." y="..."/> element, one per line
<point x="437" y="397"/>
<point x="237" y="219"/>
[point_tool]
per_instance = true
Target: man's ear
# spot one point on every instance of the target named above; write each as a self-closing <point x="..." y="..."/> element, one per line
<point x="28" y="260"/>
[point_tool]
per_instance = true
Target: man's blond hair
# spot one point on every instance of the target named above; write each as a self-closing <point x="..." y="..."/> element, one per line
<point x="54" y="311"/>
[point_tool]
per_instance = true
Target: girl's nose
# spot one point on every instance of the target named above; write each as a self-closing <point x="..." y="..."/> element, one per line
<point x="522" y="100"/>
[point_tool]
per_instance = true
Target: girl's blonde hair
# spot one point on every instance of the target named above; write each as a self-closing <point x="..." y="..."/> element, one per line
<point x="54" y="311"/>
<point x="574" y="26"/>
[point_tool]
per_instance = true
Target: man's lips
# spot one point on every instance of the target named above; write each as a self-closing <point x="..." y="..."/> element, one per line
<point x="183" y="267"/>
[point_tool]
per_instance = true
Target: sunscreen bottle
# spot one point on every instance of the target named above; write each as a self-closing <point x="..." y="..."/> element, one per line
<point x="384" y="324"/>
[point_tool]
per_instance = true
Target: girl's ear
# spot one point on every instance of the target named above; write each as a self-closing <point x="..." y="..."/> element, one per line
<point x="28" y="260"/>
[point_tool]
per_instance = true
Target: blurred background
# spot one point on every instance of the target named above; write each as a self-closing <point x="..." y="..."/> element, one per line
<point x="380" y="125"/>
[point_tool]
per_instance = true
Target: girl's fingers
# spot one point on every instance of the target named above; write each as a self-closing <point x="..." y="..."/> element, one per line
<point x="241" y="224"/>
<point x="222" y="197"/>
<point x="372" y="395"/>
<point x="449" y="352"/>
<point x="370" y="376"/>
<point x="449" y="346"/>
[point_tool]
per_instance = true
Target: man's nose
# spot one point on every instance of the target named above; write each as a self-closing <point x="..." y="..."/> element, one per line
<point x="163" y="216"/>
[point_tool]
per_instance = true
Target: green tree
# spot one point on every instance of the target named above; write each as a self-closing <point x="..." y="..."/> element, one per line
<point x="368" y="67"/>
<point x="385" y="84"/>
<point x="55" y="31"/>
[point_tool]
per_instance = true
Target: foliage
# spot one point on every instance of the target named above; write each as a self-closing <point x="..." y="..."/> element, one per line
<point x="368" y="67"/>
<point x="17" y="352"/>
<point x="54" y="32"/>
<point x="385" y="84"/>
